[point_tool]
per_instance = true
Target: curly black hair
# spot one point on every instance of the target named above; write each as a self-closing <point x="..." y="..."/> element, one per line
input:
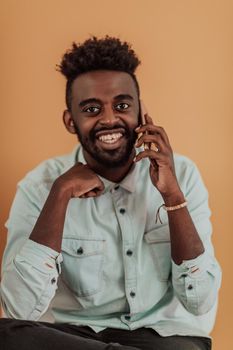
<point x="107" y="53"/>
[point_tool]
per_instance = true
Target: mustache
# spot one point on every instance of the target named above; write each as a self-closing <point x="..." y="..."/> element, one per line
<point x="106" y="128"/>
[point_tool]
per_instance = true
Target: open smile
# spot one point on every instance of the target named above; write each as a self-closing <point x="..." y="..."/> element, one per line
<point x="110" y="139"/>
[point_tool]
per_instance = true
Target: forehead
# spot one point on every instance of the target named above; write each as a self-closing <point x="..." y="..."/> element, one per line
<point x="103" y="84"/>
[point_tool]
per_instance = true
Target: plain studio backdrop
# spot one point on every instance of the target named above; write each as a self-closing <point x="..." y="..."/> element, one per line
<point x="186" y="80"/>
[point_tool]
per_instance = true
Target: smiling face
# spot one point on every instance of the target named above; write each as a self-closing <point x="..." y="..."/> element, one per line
<point x="104" y="114"/>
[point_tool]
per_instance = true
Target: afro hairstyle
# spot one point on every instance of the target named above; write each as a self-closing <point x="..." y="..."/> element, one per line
<point x="106" y="53"/>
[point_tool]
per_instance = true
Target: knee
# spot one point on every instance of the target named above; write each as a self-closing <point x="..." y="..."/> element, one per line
<point x="13" y="333"/>
<point x="191" y="343"/>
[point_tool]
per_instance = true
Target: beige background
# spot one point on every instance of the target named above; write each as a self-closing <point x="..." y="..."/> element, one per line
<point x="186" y="81"/>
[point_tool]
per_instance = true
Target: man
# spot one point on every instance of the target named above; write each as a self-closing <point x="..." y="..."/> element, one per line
<point x="88" y="233"/>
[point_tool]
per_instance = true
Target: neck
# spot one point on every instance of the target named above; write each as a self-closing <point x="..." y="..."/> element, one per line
<point x="111" y="174"/>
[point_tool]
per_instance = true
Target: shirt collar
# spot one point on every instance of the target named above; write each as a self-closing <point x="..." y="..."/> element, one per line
<point x="128" y="183"/>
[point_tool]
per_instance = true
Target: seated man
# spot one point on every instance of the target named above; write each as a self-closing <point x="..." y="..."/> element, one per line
<point x="115" y="237"/>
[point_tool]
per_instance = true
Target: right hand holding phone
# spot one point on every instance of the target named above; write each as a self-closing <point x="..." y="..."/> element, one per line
<point x="158" y="150"/>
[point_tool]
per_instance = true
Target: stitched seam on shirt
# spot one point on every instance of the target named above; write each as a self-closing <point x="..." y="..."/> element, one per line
<point x="38" y="302"/>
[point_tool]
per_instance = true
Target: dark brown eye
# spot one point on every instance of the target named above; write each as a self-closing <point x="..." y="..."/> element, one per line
<point x="122" y="106"/>
<point x="92" y="109"/>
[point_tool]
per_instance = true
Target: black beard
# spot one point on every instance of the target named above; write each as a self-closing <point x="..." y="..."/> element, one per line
<point x="111" y="158"/>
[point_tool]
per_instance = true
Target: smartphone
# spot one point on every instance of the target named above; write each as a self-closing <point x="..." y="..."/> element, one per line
<point x="146" y="145"/>
<point x="142" y="119"/>
<point x="143" y="111"/>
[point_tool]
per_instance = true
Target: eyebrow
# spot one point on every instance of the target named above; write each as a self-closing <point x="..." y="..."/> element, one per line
<point x="96" y="100"/>
<point x="89" y="100"/>
<point x="124" y="97"/>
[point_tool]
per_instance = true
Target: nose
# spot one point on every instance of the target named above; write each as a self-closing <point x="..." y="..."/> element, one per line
<point x="109" y="116"/>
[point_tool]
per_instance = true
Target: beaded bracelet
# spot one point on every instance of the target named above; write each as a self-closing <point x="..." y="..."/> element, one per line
<point x="175" y="207"/>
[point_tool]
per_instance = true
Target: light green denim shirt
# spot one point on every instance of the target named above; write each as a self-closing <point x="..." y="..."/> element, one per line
<point x="115" y="268"/>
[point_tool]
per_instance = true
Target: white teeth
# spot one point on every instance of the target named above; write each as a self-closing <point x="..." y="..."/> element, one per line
<point x="110" y="138"/>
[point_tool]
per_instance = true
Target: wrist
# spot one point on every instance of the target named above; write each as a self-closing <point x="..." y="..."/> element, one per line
<point x="174" y="198"/>
<point x="61" y="192"/>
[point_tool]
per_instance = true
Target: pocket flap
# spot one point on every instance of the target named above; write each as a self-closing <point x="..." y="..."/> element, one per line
<point x="159" y="235"/>
<point x="82" y="247"/>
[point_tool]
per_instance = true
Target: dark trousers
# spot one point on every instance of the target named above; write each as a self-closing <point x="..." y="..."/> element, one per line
<point x="28" y="335"/>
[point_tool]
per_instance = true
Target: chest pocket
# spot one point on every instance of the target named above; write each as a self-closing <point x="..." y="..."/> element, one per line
<point x="82" y="268"/>
<point x="160" y="248"/>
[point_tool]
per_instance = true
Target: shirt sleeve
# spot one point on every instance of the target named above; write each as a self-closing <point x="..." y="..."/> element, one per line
<point x="29" y="270"/>
<point x="196" y="282"/>
<point x="30" y="281"/>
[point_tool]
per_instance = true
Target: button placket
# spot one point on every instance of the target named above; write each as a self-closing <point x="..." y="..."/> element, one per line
<point x="129" y="252"/>
<point x="127" y="233"/>
<point x="132" y="294"/>
<point x="126" y="319"/>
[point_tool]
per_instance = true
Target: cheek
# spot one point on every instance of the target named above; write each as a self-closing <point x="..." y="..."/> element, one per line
<point x="85" y="126"/>
<point x="133" y="120"/>
<point x="135" y="115"/>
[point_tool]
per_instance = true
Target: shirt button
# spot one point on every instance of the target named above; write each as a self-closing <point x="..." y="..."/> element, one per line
<point x="122" y="211"/>
<point x="129" y="252"/>
<point x="190" y="287"/>
<point x="132" y="294"/>
<point x="53" y="280"/>
<point x="80" y="250"/>
<point x="127" y="317"/>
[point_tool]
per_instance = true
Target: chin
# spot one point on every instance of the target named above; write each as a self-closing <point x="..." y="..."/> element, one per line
<point x="113" y="159"/>
<point x="114" y="163"/>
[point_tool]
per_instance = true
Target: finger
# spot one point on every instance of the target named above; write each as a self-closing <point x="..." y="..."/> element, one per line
<point x="145" y="119"/>
<point x="151" y="128"/>
<point x="148" y="154"/>
<point x="148" y="139"/>
<point x="87" y="195"/>
<point x="97" y="186"/>
<point x="100" y="187"/>
<point x="153" y="165"/>
<point x="97" y="191"/>
<point x="148" y="119"/>
<point x="92" y="193"/>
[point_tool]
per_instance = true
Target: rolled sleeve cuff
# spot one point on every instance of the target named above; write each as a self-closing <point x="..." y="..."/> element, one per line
<point x="196" y="283"/>
<point x="40" y="257"/>
<point x="192" y="268"/>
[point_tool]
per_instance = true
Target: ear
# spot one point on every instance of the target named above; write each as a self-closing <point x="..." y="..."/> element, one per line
<point x="68" y="121"/>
